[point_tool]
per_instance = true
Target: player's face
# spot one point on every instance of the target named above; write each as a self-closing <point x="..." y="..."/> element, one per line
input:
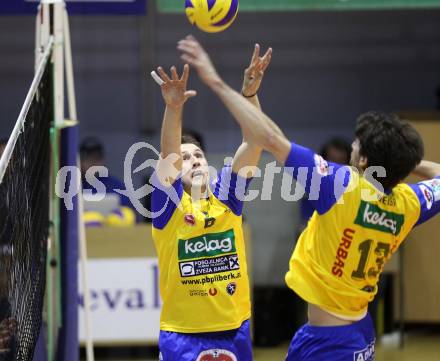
<point x="194" y="166"/>
<point x="356" y="160"/>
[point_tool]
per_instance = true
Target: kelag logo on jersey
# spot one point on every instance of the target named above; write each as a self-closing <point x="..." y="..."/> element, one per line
<point x="208" y="245"/>
<point x="371" y="216"/>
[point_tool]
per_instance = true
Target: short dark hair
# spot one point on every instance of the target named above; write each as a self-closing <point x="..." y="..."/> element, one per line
<point x="387" y="141"/>
<point x="192" y="137"/>
<point x="339" y="144"/>
<point x="91" y="147"/>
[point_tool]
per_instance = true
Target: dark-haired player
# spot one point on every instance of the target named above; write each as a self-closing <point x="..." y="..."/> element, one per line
<point x="198" y="235"/>
<point x="360" y="219"/>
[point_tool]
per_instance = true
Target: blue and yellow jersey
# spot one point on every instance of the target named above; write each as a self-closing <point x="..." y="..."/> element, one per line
<point x="352" y="234"/>
<point x="202" y="264"/>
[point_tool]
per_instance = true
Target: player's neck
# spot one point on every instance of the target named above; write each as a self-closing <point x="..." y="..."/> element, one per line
<point x="197" y="193"/>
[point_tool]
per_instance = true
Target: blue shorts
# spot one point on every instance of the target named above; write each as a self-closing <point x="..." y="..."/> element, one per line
<point x="233" y="345"/>
<point x="353" y="342"/>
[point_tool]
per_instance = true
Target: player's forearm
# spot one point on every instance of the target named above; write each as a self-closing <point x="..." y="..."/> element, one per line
<point x="255" y="101"/>
<point x="427" y="170"/>
<point x="258" y="127"/>
<point x="171" y="133"/>
<point x="246" y="158"/>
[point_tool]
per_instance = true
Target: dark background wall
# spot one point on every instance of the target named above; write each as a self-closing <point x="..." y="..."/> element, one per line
<point x="327" y="68"/>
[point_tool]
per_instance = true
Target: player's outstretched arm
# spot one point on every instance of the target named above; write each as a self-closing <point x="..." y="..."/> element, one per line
<point x="248" y="154"/>
<point x="175" y="95"/>
<point x="427" y="170"/>
<point x="257" y="126"/>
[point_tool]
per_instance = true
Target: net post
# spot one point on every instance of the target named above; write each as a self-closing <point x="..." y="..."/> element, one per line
<point x="50" y="25"/>
<point x="58" y="59"/>
<point x="68" y="345"/>
<point x="42" y="31"/>
<point x="71" y="99"/>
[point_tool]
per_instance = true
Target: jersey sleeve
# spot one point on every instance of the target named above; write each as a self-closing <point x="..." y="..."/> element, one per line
<point x="164" y="200"/>
<point x="324" y="182"/>
<point x="428" y="194"/>
<point x="230" y="189"/>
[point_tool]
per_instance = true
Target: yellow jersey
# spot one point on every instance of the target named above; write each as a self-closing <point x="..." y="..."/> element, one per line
<point x="353" y="232"/>
<point x="203" y="276"/>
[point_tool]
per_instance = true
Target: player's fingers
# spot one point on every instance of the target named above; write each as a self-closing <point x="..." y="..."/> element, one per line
<point x="189" y="42"/>
<point x="163" y="74"/>
<point x="174" y="75"/>
<point x="256" y="54"/>
<point x="266" y="62"/>
<point x="157" y="78"/>
<point x="185" y="73"/>
<point x="188" y="59"/>
<point x="267" y="53"/>
<point x="192" y="41"/>
<point x="186" y="48"/>
<point x="190" y="93"/>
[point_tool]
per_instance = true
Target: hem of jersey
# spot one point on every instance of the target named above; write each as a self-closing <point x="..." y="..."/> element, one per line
<point x="230" y="327"/>
<point x="345" y="317"/>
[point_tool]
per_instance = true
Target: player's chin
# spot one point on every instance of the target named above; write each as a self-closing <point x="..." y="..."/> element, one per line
<point x="199" y="181"/>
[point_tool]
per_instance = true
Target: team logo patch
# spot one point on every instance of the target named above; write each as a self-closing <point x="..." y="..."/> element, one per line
<point x="367" y="354"/>
<point x="208" y="245"/>
<point x="216" y="355"/>
<point x="427" y="194"/>
<point x="431" y="191"/>
<point x="231" y="288"/>
<point x="371" y="216"/>
<point x="212" y="291"/>
<point x="206" y="266"/>
<point x="321" y="165"/>
<point x="190" y="219"/>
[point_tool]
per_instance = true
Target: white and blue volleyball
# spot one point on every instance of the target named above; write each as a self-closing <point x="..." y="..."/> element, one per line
<point x="211" y="16"/>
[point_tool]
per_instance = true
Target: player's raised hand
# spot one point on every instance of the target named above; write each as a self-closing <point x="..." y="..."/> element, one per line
<point x="194" y="54"/>
<point x="174" y="87"/>
<point x="253" y="75"/>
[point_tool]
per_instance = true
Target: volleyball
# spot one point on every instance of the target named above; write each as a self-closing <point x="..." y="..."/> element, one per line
<point x="121" y="217"/>
<point x="211" y="16"/>
<point x="93" y="219"/>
